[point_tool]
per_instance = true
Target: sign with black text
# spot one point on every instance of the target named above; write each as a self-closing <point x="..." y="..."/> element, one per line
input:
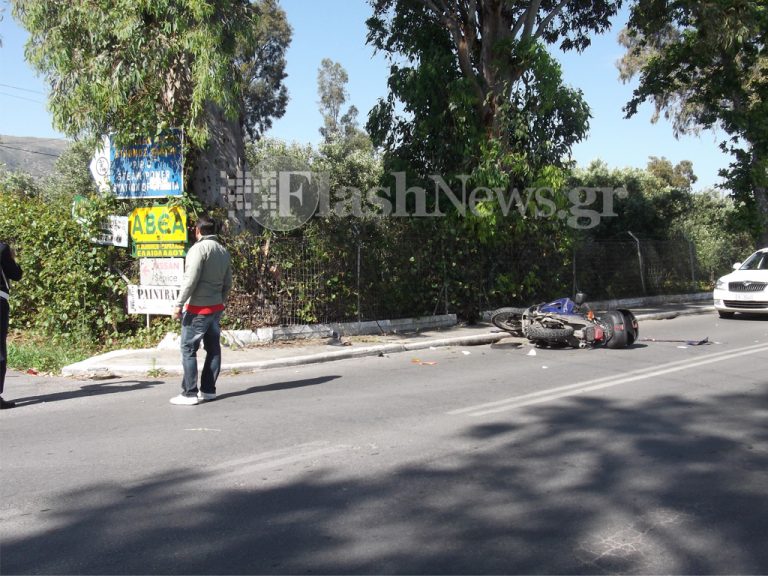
<point x="113" y="232"/>
<point x="158" y="300"/>
<point x="159" y="250"/>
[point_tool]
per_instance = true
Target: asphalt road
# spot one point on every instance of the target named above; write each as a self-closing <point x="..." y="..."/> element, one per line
<point x="476" y="460"/>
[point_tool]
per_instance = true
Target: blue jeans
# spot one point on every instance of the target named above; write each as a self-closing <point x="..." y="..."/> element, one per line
<point x="196" y="328"/>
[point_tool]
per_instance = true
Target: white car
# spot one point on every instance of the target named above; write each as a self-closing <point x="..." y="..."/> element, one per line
<point x="746" y="288"/>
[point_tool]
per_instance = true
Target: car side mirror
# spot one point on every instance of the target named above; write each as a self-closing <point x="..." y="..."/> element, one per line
<point x="737" y="266"/>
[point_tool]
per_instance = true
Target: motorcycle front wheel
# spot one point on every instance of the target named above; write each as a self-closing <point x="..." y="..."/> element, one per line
<point x="509" y="320"/>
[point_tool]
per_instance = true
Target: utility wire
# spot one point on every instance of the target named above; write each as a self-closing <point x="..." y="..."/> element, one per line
<point x="28" y="151"/>
<point x="22" y="89"/>
<point x="22" y="98"/>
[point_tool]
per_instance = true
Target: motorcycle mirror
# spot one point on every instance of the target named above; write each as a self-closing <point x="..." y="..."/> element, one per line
<point x="580" y="298"/>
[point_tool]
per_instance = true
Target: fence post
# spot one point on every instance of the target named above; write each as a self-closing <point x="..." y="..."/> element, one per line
<point x="692" y="255"/>
<point x="359" y="310"/>
<point x="640" y="261"/>
<point x="445" y="275"/>
<point x="575" y="283"/>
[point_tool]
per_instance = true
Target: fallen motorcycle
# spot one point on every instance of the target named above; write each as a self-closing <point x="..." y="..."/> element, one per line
<point x="567" y="322"/>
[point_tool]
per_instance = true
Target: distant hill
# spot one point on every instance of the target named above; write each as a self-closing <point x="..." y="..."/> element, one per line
<point x="35" y="156"/>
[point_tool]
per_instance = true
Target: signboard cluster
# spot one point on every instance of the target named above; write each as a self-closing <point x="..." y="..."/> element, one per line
<point x="151" y="168"/>
<point x="160" y="283"/>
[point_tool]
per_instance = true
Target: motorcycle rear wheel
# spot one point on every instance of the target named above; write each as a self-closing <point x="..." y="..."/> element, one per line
<point x="538" y="333"/>
<point x="622" y="327"/>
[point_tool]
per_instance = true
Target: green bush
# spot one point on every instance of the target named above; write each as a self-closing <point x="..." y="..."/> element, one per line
<point x="69" y="284"/>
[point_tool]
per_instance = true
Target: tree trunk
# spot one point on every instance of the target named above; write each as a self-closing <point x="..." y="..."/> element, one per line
<point x="761" y="199"/>
<point x="220" y="164"/>
<point x="759" y="177"/>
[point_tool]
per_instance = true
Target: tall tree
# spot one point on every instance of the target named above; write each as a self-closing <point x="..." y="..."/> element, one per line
<point x="704" y="64"/>
<point x="136" y="67"/>
<point x="491" y="40"/>
<point x="332" y="89"/>
<point x="264" y="70"/>
<point x="338" y="128"/>
<point x="679" y="176"/>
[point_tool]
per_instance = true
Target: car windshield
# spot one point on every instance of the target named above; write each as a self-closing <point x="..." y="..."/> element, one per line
<point x="758" y="261"/>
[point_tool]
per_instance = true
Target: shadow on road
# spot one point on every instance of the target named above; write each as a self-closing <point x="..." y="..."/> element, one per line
<point x="88" y="390"/>
<point x="584" y="486"/>
<point x="279" y="386"/>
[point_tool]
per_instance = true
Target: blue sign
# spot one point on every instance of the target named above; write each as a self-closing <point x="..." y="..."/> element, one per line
<point x="152" y="168"/>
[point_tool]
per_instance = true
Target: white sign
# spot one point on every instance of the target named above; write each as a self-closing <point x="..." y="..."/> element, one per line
<point x="101" y="167"/>
<point x="161" y="271"/>
<point x="113" y="232"/>
<point x="158" y="300"/>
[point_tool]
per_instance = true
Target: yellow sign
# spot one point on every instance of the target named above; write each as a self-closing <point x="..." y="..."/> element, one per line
<point x="159" y="250"/>
<point x="158" y="224"/>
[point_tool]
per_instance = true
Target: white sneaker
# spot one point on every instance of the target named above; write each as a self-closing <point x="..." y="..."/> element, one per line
<point x="182" y="400"/>
<point x="205" y="396"/>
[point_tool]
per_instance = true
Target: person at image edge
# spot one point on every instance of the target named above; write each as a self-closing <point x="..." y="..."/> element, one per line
<point x="9" y="270"/>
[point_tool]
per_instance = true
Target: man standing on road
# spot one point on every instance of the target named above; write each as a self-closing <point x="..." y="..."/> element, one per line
<point x="207" y="281"/>
<point x="9" y="270"/>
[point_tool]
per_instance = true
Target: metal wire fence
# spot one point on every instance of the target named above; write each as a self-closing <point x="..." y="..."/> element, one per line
<point x="288" y="281"/>
<point x="636" y="268"/>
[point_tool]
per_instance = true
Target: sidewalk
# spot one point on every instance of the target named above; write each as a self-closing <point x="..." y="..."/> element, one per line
<point x="158" y="362"/>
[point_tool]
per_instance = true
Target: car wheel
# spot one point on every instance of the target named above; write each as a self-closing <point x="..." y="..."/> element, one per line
<point x="723" y="314"/>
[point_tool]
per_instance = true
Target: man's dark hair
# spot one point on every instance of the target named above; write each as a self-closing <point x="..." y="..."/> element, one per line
<point x="206" y="225"/>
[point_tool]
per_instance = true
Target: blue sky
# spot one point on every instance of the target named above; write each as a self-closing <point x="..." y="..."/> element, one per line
<point x="336" y="29"/>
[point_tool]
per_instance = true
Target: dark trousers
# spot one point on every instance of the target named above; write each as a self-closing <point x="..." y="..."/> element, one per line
<point x="197" y="328"/>
<point x="4" y="317"/>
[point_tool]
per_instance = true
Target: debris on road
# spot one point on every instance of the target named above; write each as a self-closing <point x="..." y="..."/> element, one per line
<point x="686" y="342"/>
<point x="422" y="362"/>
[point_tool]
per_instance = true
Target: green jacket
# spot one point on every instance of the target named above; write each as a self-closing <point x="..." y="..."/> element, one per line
<point x="207" y="274"/>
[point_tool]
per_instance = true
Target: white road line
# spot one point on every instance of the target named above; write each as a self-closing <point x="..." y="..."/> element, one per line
<point x="604" y="382"/>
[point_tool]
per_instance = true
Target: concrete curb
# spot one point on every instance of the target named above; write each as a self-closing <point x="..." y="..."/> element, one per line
<point x="244" y="338"/>
<point x="675" y="313"/>
<point x="100" y="365"/>
<point x="650" y="301"/>
<point x="97" y="365"/>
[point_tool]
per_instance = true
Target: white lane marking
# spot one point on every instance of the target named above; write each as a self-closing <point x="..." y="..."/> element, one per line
<point x="610" y="378"/>
<point x="604" y="382"/>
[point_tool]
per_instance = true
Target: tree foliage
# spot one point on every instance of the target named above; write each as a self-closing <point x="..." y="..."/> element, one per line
<point x="660" y="205"/>
<point x="704" y="64"/>
<point x="657" y="196"/>
<point x="137" y="67"/>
